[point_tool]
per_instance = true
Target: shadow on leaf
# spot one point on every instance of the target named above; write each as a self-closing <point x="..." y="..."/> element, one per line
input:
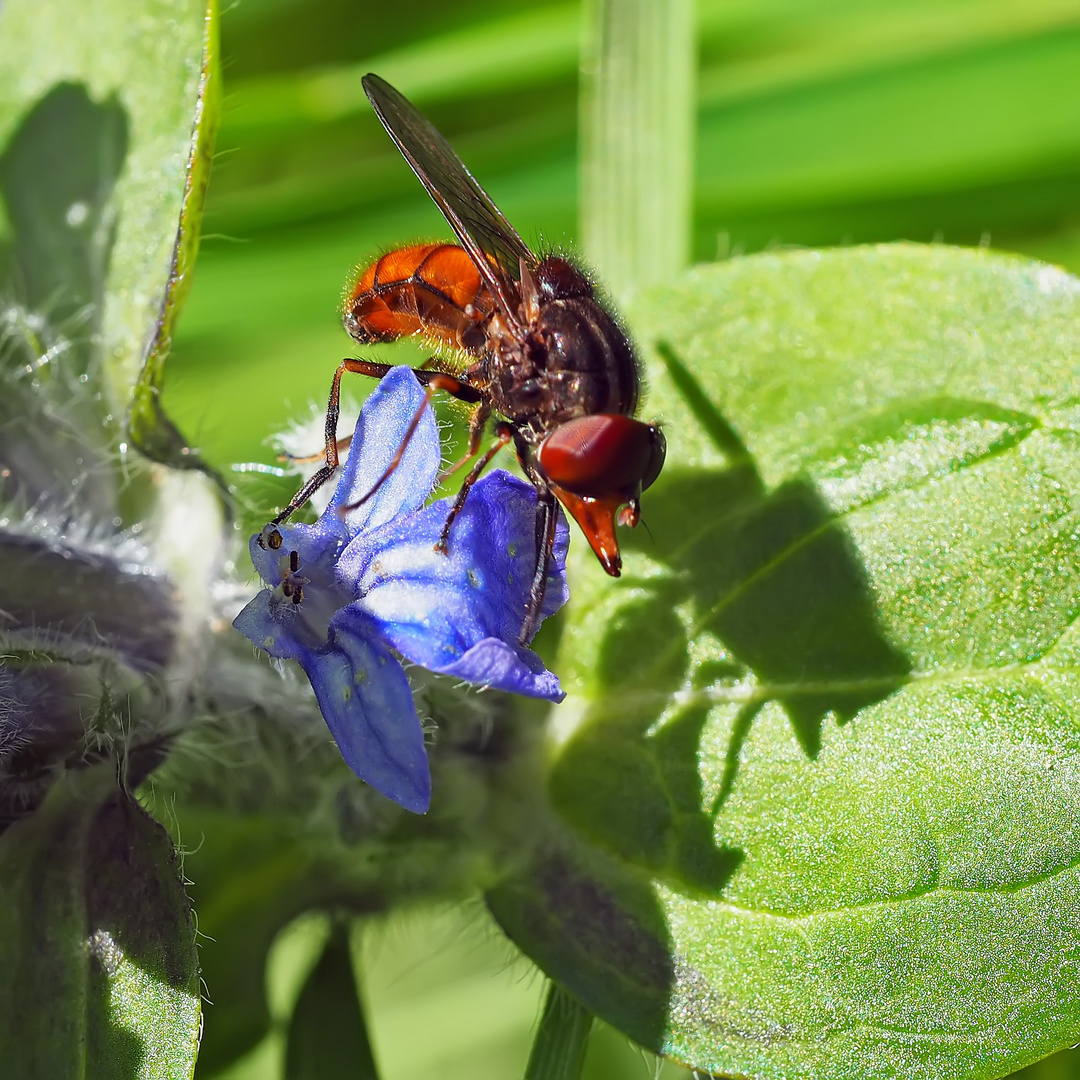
<point x="57" y="177"/>
<point x="58" y="174"/>
<point x="774" y="577"/>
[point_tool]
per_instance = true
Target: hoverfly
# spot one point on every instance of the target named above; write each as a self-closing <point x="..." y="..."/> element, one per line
<point x="546" y="360"/>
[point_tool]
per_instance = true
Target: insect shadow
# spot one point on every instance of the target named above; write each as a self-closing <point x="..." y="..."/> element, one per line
<point x="58" y="173"/>
<point x="776" y="578"/>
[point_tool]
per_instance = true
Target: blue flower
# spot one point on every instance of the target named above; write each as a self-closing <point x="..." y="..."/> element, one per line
<point x="351" y="591"/>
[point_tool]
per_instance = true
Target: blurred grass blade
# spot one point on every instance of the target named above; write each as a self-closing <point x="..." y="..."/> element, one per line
<point x="501" y="54"/>
<point x="816" y="43"/>
<point x="327" y="1033"/>
<point x="971" y="117"/>
<point x="558" y="1051"/>
<point x="637" y="128"/>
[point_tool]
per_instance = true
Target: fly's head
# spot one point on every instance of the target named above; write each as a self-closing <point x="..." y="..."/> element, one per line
<point x="598" y="466"/>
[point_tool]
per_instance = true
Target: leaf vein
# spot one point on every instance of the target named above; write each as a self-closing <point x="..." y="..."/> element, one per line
<point x="887" y="903"/>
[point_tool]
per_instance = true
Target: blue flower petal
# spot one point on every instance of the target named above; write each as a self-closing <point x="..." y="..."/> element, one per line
<point x="267" y="626"/>
<point x="365" y="699"/>
<point x="344" y="591"/>
<point x="494" y="663"/>
<point x="435" y="608"/>
<point x="380" y="432"/>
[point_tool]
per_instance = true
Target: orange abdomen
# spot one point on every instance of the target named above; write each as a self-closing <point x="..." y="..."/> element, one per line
<point x="433" y="290"/>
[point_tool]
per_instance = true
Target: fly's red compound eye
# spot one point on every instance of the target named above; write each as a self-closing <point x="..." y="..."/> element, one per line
<point x="656" y="458"/>
<point x="603" y="454"/>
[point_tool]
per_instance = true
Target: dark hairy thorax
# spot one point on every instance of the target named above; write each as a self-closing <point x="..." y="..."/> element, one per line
<point x="572" y="360"/>
<point x="567" y="357"/>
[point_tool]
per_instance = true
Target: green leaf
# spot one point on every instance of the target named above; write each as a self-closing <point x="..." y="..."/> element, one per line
<point x="815" y="791"/>
<point x="98" y="971"/>
<point x="154" y="67"/>
<point x="327" y="1032"/>
<point x="95" y="109"/>
<point x="250" y="878"/>
<point x="252" y="875"/>
<point x="151" y="430"/>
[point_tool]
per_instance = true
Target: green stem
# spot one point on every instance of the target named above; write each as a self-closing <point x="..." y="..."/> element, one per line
<point x="558" y="1050"/>
<point x="637" y="135"/>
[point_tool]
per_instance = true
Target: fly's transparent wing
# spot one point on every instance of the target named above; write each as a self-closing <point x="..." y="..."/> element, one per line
<point x="491" y="241"/>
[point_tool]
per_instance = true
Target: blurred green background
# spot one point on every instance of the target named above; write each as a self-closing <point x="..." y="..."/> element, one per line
<point x="446" y="997"/>
<point x="820" y="122"/>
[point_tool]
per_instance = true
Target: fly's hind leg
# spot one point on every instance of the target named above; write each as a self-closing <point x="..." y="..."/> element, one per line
<point x="306" y="459"/>
<point x="547" y="518"/>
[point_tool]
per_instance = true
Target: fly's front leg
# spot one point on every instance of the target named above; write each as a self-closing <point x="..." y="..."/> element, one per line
<point x="321" y="475"/>
<point x="432" y="379"/>
<point x="436" y="380"/>
<point x="359" y="367"/>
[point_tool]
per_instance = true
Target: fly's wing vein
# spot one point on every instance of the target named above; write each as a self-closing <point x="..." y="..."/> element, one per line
<point x="491" y="241"/>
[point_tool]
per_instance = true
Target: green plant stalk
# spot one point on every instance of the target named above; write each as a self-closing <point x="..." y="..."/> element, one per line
<point x="558" y="1051"/>
<point x="637" y="136"/>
